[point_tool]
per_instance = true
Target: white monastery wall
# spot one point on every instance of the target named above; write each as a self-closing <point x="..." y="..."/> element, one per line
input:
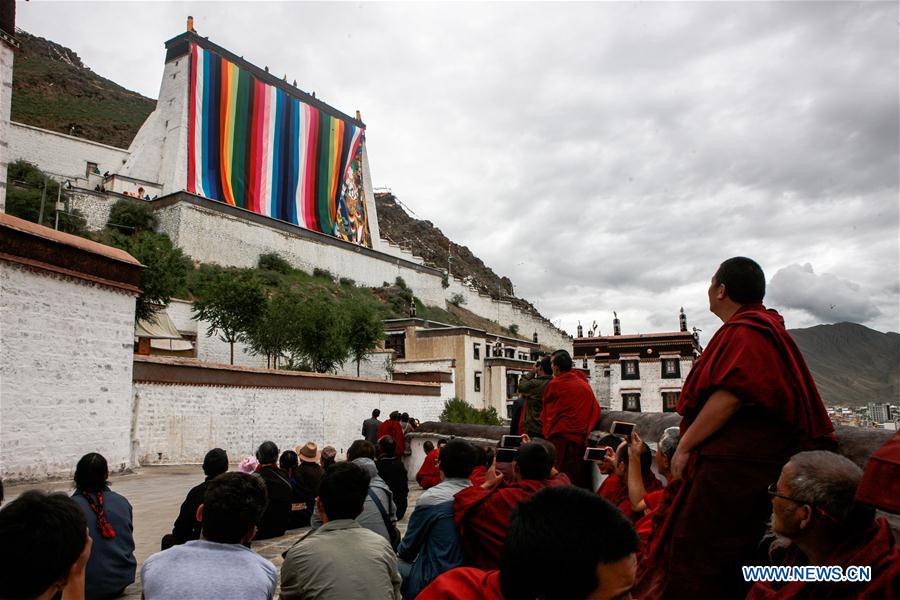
<point x="374" y="365"/>
<point x="650" y="386"/>
<point x="66" y="350"/>
<point x="180" y="423"/>
<point x="7" y="56"/>
<point x="61" y="155"/>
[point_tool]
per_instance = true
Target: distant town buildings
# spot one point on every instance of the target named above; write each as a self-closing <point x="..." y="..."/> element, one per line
<point x="879" y="413"/>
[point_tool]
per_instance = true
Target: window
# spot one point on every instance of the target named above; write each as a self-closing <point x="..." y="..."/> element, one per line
<point x="584" y="363"/>
<point x="523" y="356"/>
<point x="606" y="372"/>
<point x="671" y="368"/>
<point x="630" y="369"/>
<point x="510" y="352"/>
<point x="477" y="381"/>
<point x="631" y="402"/>
<point x="476" y="351"/>
<point x="397" y="343"/>
<point x="670" y="400"/>
<point x="92" y="168"/>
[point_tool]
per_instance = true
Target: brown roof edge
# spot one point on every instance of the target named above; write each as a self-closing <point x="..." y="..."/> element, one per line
<point x="41" y="248"/>
<point x="168" y="370"/>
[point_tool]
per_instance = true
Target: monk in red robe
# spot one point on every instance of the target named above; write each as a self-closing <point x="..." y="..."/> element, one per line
<point x="813" y="506"/>
<point x="429" y="474"/>
<point x="609" y="487"/>
<point x="464" y="583"/>
<point x="569" y="413"/>
<point x="393" y="428"/>
<point x="482" y="513"/>
<point x="748" y="404"/>
<point x="646" y="501"/>
<point x="648" y="481"/>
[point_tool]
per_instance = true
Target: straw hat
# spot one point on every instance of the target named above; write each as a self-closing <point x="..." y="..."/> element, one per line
<point x="308" y="453"/>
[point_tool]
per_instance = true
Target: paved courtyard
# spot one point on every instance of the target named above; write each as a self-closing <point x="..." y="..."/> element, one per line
<point x="156" y="494"/>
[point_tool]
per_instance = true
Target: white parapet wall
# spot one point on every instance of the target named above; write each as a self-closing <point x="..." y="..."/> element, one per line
<point x="238" y="408"/>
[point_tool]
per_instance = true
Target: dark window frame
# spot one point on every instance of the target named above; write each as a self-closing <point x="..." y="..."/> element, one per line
<point x="665" y="374"/>
<point x="476" y="351"/>
<point x="477" y="381"/>
<point x="627" y="398"/>
<point x="637" y="369"/>
<point x="665" y="406"/>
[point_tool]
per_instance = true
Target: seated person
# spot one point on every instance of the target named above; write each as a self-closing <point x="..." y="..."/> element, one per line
<point x="563" y="543"/>
<point x="44" y="547"/>
<point x="391" y="470"/>
<point x="431" y="544"/>
<point x="277" y="515"/>
<point x="813" y="506"/>
<point x="340" y="560"/>
<point x="310" y="472"/>
<point x="610" y="488"/>
<point x="329" y="454"/>
<point x="112" y="565"/>
<point x="218" y="565"/>
<point x="301" y="502"/>
<point x="482" y="513"/>
<point x="429" y="474"/>
<point x="485" y="460"/>
<point x="186" y="526"/>
<point x="642" y="501"/>
<point x="650" y="481"/>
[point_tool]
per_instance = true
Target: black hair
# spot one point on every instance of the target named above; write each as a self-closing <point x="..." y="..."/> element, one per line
<point x="232" y="506"/>
<point x="387" y="446"/>
<point x="485" y="456"/>
<point x="395" y="415"/>
<point x="562" y="360"/>
<point x="215" y="463"/>
<point x="562" y="529"/>
<point x="458" y="458"/>
<point x="612" y="440"/>
<point x="404" y="417"/>
<point x="546" y="367"/>
<point x="428" y="446"/>
<point x="535" y="461"/>
<point x="343" y="490"/>
<point x="361" y="449"/>
<point x="743" y="278"/>
<point x="289" y="461"/>
<point x="375" y="413"/>
<point x="441" y="442"/>
<point x="646" y="458"/>
<point x="41" y="537"/>
<point x="267" y="453"/>
<point x="91" y="473"/>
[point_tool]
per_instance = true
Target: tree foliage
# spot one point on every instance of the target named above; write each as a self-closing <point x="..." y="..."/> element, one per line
<point x="321" y="339"/>
<point x="277" y="329"/>
<point x="272" y="261"/>
<point x="131" y="216"/>
<point x="25" y="187"/>
<point x="364" y="330"/>
<point x="457" y="410"/>
<point x="231" y="303"/>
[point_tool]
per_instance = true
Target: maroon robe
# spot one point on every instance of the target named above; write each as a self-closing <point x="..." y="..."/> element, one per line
<point x="464" y="583"/>
<point x="718" y="514"/>
<point x="478" y="475"/>
<point x="609" y="489"/>
<point x="395" y="430"/>
<point x="429" y="474"/>
<point x="874" y="548"/>
<point x="569" y="413"/>
<point x="623" y="501"/>
<point x="482" y="518"/>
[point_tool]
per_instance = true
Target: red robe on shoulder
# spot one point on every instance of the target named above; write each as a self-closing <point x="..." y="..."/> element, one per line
<point x="623" y="501"/>
<point x="609" y="489"/>
<point x="464" y="583"/>
<point x="429" y="474"/>
<point x="395" y="430"/>
<point x="478" y="475"/>
<point x="873" y="548"/>
<point x="718" y="513"/>
<point x="644" y="525"/>
<point x="482" y="518"/>
<point x="569" y="413"/>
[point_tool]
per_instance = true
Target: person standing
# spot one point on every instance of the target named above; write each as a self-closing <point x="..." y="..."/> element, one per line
<point x="531" y="389"/>
<point x="747" y="406"/>
<point x="370" y="427"/>
<point x="393" y="428"/>
<point x="276" y="518"/>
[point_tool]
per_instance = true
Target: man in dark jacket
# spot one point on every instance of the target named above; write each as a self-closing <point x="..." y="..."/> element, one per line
<point x="391" y="469"/>
<point x="275" y="519"/>
<point x="532" y="390"/>
<point x="370" y="428"/>
<point x="186" y="526"/>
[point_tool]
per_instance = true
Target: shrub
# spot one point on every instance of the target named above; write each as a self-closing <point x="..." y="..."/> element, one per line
<point x="272" y="261"/>
<point x="400" y="283"/>
<point x="346" y="281"/>
<point x="131" y="216"/>
<point x="317" y="272"/>
<point x="514" y="329"/>
<point x="445" y="280"/>
<point x="459" y="411"/>
<point x="457" y="299"/>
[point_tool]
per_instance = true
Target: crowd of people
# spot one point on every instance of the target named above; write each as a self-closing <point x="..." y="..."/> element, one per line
<point x="750" y="478"/>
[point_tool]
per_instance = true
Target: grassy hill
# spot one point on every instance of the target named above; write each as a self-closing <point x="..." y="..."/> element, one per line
<point x="53" y="89"/>
<point x="852" y="364"/>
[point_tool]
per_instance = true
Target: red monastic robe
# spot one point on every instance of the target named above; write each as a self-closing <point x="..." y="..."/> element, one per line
<point x="482" y="518"/>
<point x="623" y="501"/>
<point x="478" y="475"/>
<point x="872" y="548"/>
<point x="644" y="525"/>
<point x="609" y="489"/>
<point x="569" y="413"/>
<point x="718" y="514"/>
<point x="395" y="430"/>
<point x="429" y="474"/>
<point x="464" y="583"/>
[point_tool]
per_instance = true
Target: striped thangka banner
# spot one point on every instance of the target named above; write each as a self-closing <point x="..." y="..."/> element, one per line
<point x="254" y="146"/>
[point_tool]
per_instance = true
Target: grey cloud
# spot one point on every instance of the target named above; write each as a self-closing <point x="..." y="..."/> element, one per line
<point x="826" y="297"/>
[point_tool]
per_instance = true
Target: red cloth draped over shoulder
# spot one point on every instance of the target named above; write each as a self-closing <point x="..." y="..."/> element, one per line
<point x="644" y="525"/>
<point x="623" y="501"/>
<point x="609" y="489"/>
<point x="874" y="548"/>
<point x="429" y="474"/>
<point x="739" y="359"/>
<point x="395" y="430"/>
<point x="482" y="518"/>
<point x="478" y="475"/>
<point x="880" y="485"/>
<point x="570" y="408"/>
<point x="464" y="583"/>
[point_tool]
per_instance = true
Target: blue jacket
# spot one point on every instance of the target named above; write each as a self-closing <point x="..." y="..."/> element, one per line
<point x="112" y="565"/>
<point x="431" y="543"/>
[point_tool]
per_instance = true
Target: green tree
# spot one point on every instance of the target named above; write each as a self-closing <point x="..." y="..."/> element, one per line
<point x="278" y="326"/>
<point x="272" y="261"/>
<point x="165" y="267"/>
<point x="25" y="188"/>
<point x="321" y="340"/>
<point x="457" y="410"/>
<point x="231" y="303"/>
<point x="364" y="330"/>
<point x="131" y="216"/>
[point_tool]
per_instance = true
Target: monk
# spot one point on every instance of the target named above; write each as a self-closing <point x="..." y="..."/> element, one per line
<point x="485" y="460"/>
<point x="644" y="500"/>
<point x="569" y="414"/>
<point x="610" y="486"/>
<point x="642" y="460"/>
<point x="393" y="428"/>
<point x="813" y="507"/>
<point x="563" y="542"/>
<point x="748" y="404"/>
<point x="482" y="513"/>
<point x="429" y="474"/>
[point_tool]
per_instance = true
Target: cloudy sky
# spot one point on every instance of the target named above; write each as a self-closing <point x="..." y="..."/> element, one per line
<point x="604" y="156"/>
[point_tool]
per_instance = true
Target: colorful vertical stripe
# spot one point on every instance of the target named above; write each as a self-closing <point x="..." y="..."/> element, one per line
<point x="257" y="147"/>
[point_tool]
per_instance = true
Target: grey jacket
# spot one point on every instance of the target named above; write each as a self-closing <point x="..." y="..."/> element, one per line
<point x="370" y="518"/>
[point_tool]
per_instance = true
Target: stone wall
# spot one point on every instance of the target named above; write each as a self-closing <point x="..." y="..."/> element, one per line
<point x="7" y="56"/>
<point x="61" y="155"/>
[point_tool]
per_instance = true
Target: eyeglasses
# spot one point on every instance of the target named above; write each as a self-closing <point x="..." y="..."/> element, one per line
<point x="773" y="492"/>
